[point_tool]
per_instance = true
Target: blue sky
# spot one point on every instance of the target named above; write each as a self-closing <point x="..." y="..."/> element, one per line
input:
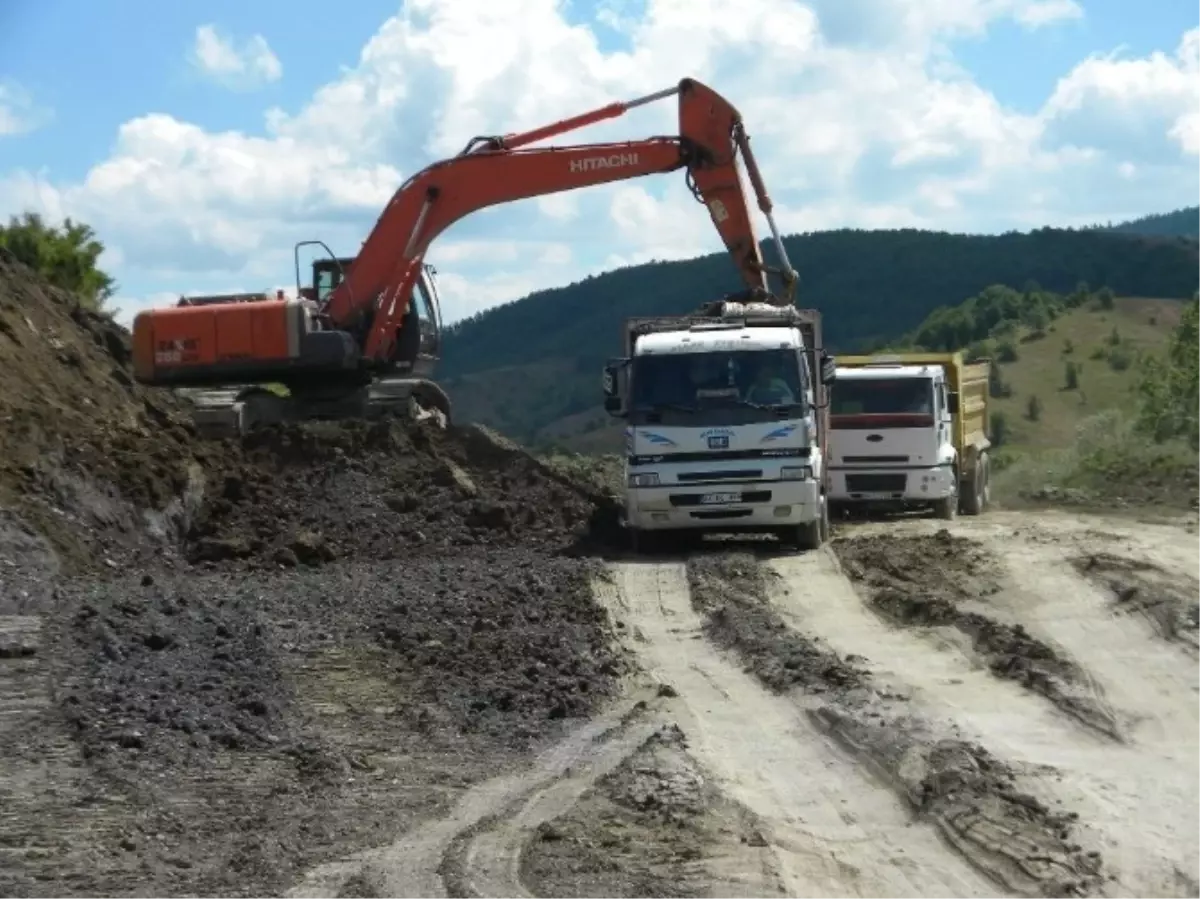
<point x="978" y="115"/>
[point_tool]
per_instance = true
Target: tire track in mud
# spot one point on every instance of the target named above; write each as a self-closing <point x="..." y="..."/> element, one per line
<point x="978" y="803"/>
<point x="475" y="850"/>
<point x="945" y="581"/>
<point x="1144" y="801"/>
<point x="1140" y="587"/>
<point x="833" y="830"/>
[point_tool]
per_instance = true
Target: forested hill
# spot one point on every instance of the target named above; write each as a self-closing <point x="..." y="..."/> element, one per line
<point x="1180" y="223"/>
<point x="870" y="285"/>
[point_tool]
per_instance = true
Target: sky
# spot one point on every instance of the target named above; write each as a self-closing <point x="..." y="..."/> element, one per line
<point x="202" y="141"/>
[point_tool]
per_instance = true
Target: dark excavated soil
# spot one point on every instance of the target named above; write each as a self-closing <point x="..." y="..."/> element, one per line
<point x="729" y="591"/>
<point x="970" y="795"/>
<point x="339" y="704"/>
<point x="922" y="581"/>
<point x="386" y="490"/>
<point x="1138" y="587"/>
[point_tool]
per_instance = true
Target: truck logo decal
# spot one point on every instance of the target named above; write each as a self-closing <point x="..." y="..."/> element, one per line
<point x="719" y="442"/>
<point x="596" y="163"/>
<point x="778" y="433"/>
<point x="658" y="439"/>
<point x="874" y="438"/>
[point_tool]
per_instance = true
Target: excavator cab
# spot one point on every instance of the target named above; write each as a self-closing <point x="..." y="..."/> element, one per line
<point x="419" y="344"/>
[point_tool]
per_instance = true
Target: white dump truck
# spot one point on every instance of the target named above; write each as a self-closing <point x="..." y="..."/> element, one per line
<point x="726" y="417"/>
<point x="910" y="430"/>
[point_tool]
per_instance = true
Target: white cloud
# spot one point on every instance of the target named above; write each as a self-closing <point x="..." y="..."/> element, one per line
<point x="248" y="65"/>
<point x="859" y="115"/>
<point x="19" y="114"/>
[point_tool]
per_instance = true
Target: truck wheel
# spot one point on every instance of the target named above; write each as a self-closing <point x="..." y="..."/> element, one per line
<point x="810" y="536"/>
<point x="947" y="509"/>
<point x="976" y="497"/>
<point x="651" y="543"/>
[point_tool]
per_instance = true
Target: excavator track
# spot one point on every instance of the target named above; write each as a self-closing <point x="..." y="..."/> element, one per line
<point x="225" y="413"/>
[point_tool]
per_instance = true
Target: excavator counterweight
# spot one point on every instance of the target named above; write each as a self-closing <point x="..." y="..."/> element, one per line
<point x="364" y="337"/>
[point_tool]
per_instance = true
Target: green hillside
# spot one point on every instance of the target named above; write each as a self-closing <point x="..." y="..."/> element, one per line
<point x="531" y="368"/>
<point x="1082" y="364"/>
<point x="1180" y="223"/>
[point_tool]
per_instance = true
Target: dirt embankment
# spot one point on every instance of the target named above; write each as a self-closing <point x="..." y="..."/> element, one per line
<point x="224" y="662"/>
<point x="943" y="580"/>
<point x="972" y="796"/>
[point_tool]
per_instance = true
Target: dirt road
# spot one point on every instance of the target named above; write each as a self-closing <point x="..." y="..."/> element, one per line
<point x="1008" y="705"/>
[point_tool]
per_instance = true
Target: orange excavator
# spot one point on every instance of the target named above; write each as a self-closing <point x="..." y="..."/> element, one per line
<point x="363" y="338"/>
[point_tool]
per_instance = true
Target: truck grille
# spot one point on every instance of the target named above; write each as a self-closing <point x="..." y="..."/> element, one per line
<point x="742" y="473"/>
<point x="876" y="483"/>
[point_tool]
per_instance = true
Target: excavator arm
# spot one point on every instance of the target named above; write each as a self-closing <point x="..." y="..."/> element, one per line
<point x="497" y="170"/>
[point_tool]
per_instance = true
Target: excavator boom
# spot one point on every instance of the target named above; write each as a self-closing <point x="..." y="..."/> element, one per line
<point x="497" y="170"/>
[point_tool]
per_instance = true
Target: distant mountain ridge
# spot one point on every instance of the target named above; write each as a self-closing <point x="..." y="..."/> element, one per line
<point x="526" y="365"/>
<point x="1180" y="223"/>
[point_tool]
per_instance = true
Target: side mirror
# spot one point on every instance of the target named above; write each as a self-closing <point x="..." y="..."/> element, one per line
<point x="615" y="383"/>
<point x="828" y="369"/>
<point x="952" y="402"/>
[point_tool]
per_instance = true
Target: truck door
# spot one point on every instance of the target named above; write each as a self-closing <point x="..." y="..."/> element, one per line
<point x="943" y="417"/>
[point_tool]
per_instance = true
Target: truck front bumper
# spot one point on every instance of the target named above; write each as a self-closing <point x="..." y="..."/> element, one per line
<point x="890" y="485"/>
<point x="759" y="505"/>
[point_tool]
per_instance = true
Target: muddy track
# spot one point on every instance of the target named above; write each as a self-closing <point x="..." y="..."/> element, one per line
<point x="944" y="581"/>
<point x="1166" y="600"/>
<point x="1137" y="800"/>
<point x="475" y="849"/>
<point x="976" y="802"/>
<point x="833" y="830"/>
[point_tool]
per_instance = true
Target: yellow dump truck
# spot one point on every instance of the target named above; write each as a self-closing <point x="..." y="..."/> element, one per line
<point x="910" y="430"/>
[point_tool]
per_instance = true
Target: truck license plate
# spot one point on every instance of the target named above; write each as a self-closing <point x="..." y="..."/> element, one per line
<point x="709" y="498"/>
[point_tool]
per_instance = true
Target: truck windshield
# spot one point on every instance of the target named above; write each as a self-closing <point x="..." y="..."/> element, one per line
<point x="741" y="386"/>
<point x="881" y="396"/>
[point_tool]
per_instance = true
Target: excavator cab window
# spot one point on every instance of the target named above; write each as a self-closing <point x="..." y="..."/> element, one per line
<point x="324" y="280"/>
<point x="327" y="275"/>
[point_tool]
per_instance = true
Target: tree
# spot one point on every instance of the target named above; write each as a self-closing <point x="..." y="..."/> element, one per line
<point x="996" y="384"/>
<point x="1105" y="298"/>
<point x="1169" y="387"/>
<point x="67" y="255"/>
<point x="999" y="429"/>
<point x="1071" y="376"/>
<point x="1033" y="408"/>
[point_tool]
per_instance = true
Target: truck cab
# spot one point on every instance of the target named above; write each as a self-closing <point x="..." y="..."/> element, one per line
<point x="725" y="422"/>
<point x="909" y="431"/>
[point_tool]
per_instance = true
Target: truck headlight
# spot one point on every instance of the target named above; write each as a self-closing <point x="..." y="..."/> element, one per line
<point x="795" y="473"/>
<point x="644" y="479"/>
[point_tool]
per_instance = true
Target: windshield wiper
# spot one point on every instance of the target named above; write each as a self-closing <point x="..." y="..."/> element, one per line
<point x="754" y="405"/>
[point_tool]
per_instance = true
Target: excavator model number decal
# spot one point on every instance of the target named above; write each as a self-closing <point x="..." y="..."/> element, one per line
<point x="592" y="163"/>
<point x="718" y="210"/>
<point x="174" y="352"/>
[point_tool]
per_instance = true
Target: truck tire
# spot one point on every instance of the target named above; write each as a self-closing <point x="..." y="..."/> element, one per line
<point x="810" y="536"/>
<point x="976" y="497"/>
<point x="653" y="543"/>
<point x="947" y="509"/>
